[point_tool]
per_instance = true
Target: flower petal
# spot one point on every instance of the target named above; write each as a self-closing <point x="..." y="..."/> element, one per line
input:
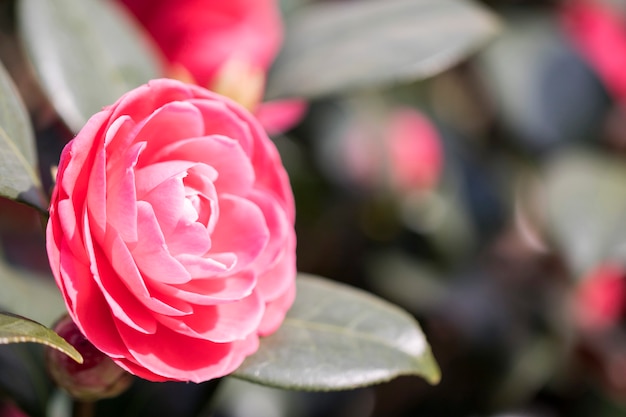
<point x="126" y="269"/>
<point x="221" y="323"/>
<point x="181" y="357"/>
<point x="211" y="291"/>
<point x="276" y="310"/>
<point x="121" y="200"/>
<point x="225" y="155"/>
<point x="151" y="254"/>
<point x="169" y="124"/>
<point x="241" y="230"/>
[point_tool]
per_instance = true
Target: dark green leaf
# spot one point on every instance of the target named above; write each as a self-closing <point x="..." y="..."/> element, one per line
<point x="86" y="53"/>
<point x="337" y="337"/>
<point x="333" y="46"/>
<point x="586" y="208"/>
<point x="16" y="329"/>
<point x="19" y="179"/>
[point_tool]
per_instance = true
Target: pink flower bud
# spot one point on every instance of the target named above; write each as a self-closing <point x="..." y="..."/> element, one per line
<point x="96" y="378"/>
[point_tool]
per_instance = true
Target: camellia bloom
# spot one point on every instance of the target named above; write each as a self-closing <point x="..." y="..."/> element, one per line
<point x="225" y="46"/>
<point x="171" y="232"/>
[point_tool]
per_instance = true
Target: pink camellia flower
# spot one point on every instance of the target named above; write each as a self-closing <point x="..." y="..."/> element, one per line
<point x="171" y="232"/>
<point x="598" y="31"/>
<point x="225" y="46"/>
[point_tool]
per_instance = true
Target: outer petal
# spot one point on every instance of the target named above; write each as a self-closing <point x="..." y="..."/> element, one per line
<point x="199" y="361"/>
<point x="276" y="310"/>
<point x="275" y="280"/>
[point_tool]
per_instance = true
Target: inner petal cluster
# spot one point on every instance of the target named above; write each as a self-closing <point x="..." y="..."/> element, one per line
<point x="180" y="227"/>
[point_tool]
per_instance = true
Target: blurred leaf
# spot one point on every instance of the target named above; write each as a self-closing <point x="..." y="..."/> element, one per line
<point x="410" y="282"/>
<point x="18" y="160"/>
<point x="337" y="337"/>
<point x="544" y="93"/>
<point x="332" y="46"/>
<point x="16" y="329"/>
<point x="23" y="378"/>
<point x="535" y="362"/>
<point x="59" y="405"/>
<point x="86" y="53"/>
<point x="586" y="208"/>
<point x="29" y="294"/>
<point x="260" y="401"/>
<point x="287" y="6"/>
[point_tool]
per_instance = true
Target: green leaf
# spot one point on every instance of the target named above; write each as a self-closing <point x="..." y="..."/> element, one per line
<point x="16" y="329"/>
<point x="86" y="53"/>
<point x="335" y="46"/>
<point x="586" y="208"/>
<point x="19" y="179"/>
<point x="336" y="337"/>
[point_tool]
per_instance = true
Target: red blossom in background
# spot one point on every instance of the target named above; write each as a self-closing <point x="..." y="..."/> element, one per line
<point x="600" y="300"/>
<point x="598" y="31"/>
<point x="225" y="46"/>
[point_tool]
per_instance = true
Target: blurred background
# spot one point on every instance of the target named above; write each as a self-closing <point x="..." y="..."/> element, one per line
<point x="488" y="199"/>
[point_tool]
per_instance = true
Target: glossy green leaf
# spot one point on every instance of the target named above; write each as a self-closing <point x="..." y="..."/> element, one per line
<point x="86" y="53"/>
<point x="19" y="179"/>
<point x="335" y="46"/>
<point x="336" y="337"/>
<point x="16" y="329"/>
<point x="586" y="208"/>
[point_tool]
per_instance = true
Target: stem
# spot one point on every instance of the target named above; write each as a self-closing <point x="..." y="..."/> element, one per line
<point x="84" y="408"/>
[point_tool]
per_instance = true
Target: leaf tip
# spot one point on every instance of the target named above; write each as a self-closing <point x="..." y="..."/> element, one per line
<point x="432" y="371"/>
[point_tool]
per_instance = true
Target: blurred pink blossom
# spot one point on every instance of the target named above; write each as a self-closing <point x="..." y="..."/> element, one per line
<point x="598" y="31"/>
<point x="402" y="153"/>
<point x="599" y="301"/>
<point x="225" y="46"/>
<point x="415" y="155"/>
